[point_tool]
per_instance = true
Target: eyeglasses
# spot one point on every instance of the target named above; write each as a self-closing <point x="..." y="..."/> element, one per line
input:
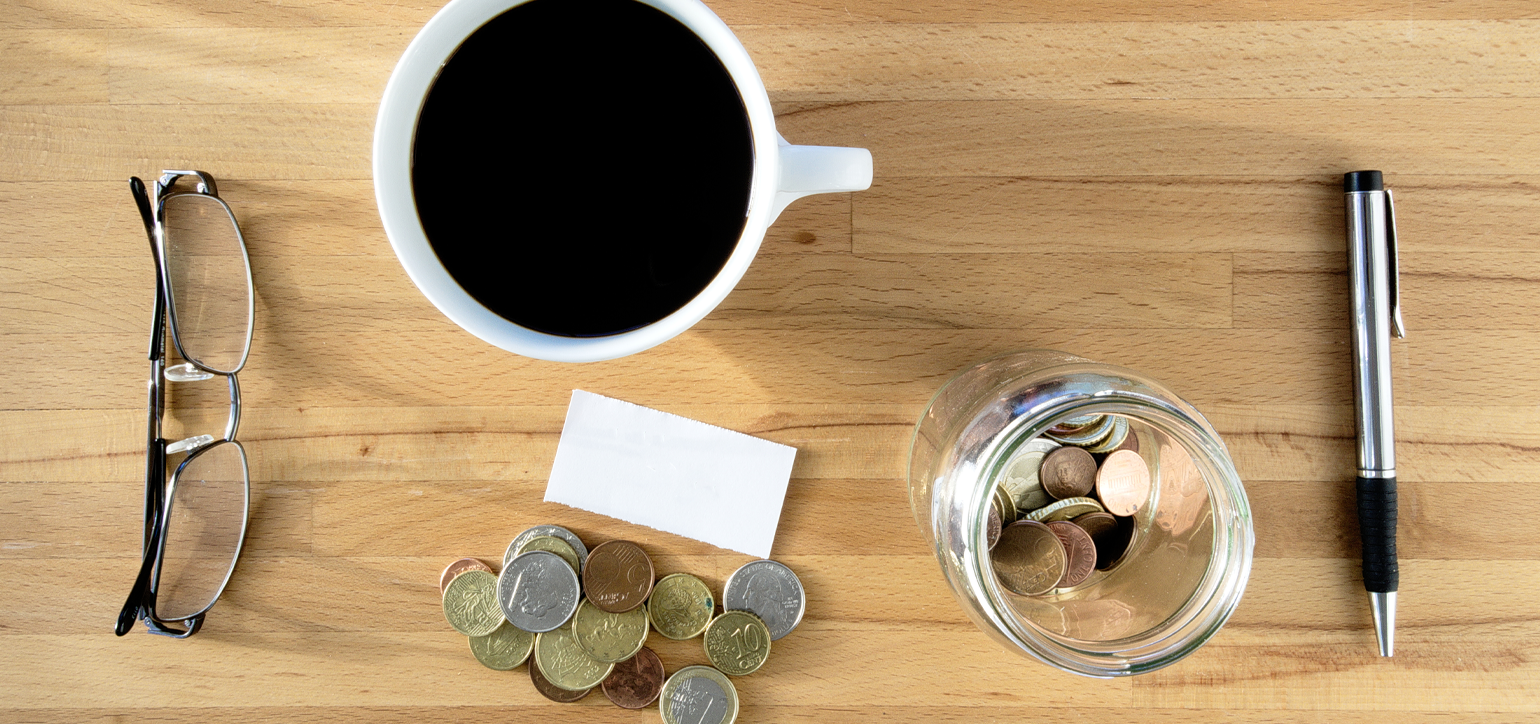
<point x="194" y="523"/>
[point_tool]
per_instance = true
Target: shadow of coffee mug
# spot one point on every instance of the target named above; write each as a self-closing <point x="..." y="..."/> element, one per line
<point x="780" y="173"/>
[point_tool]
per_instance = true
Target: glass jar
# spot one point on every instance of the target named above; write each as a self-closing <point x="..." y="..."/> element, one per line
<point x="1189" y="556"/>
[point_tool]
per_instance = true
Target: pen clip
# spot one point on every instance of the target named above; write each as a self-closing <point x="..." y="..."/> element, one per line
<point x="1398" y="327"/>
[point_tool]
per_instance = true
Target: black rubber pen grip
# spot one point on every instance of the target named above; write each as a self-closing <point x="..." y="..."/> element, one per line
<point x="1377" y="528"/>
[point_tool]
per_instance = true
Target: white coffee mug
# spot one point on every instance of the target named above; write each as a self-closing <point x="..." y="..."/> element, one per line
<point x="782" y="173"/>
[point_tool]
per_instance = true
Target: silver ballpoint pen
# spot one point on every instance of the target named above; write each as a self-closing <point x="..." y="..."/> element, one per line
<point x="1373" y="279"/>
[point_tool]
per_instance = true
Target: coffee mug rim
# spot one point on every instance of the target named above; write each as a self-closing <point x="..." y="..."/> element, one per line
<point x="395" y="128"/>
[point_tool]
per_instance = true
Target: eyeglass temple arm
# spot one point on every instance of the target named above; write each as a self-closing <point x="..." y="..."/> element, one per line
<point x="133" y="607"/>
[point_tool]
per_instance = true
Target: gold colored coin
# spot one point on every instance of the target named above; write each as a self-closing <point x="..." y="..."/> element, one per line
<point x="470" y="603"/>
<point x="1066" y="509"/>
<point x="1003" y="506"/>
<point x="503" y="649"/>
<point x="681" y="606"/>
<point x="554" y="545"/>
<point x="1030" y="559"/>
<point x="565" y="664"/>
<point x="737" y="643"/>
<point x="609" y="637"/>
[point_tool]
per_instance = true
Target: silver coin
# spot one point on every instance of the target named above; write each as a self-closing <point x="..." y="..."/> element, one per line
<point x="538" y="591"/>
<point x="698" y="695"/>
<point x="1112" y="441"/>
<point x="1021" y="475"/>
<point x="556" y="530"/>
<point x="768" y="590"/>
<point x="1087" y="435"/>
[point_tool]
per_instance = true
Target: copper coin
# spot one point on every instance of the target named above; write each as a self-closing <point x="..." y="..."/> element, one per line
<point x="1068" y="472"/>
<point x="1029" y="560"/>
<point x="992" y="528"/>
<point x="617" y="576"/>
<point x="1130" y="442"/>
<point x="635" y="682"/>
<point x="1081" y="551"/>
<point x="1111" y="536"/>
<point x="552" y="691"/>
<point x="1123" y="483"/>
<point x="458" y="567"/>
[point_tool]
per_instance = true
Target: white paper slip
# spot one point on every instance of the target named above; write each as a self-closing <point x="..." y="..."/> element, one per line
<point x="671" y="473"/>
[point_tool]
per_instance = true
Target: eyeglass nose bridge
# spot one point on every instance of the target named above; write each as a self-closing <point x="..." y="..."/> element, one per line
<point x="186" y="372"/>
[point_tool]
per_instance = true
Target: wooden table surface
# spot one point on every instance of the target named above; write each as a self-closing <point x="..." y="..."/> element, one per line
<point x="1150" y="183"/>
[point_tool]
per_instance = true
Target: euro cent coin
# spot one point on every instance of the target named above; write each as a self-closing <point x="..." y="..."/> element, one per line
<point x="769" y="590"/>
<point x="1080" y="552"/>
<point x="458" y="567"/>
<point x="635" y="682"/>
<point x="680" y="607"/>
<point x="551" y="691"/>
<point x="1069" y="472"/>
<point x="737" y="643"/>
<point x="555" y="545"/>
<point x="618" y="577"/>
<point x="1123" y="483"/>
<point x="565" y="664"/>
<point x="1066" y="510"/>
<point x="537" y="591"/>
<point x="503" y="649"/>
<point x="470" y="603"/>
<point x="556" y="530"/>
<point x="609" y="637"/>
<point x="698" y="695"/>
<point x="1029" y="560"/>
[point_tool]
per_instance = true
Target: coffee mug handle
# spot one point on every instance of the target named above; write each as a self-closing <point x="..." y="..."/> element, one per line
<point x="808" y="170"/>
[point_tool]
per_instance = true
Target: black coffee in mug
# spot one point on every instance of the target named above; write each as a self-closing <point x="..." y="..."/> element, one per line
<point x="582" y="167"/>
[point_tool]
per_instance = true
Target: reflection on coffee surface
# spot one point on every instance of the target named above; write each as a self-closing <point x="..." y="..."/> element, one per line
<point x="582" y="167"/>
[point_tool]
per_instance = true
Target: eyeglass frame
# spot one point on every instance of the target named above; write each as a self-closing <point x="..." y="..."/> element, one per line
<point x="158" y="492"/>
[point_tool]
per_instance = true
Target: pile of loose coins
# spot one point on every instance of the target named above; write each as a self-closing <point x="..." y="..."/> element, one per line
<point x="584" y="616"/>
<point x="1064" y="506"/>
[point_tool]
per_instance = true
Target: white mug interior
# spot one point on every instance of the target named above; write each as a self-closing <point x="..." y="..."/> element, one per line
<point x="781" y="174"/>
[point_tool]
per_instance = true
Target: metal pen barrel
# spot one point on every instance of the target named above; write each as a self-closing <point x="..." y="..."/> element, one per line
<point x="1369" y="282"/>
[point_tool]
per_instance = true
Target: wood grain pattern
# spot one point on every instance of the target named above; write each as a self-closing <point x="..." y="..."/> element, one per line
<point x="1146" y="183"/>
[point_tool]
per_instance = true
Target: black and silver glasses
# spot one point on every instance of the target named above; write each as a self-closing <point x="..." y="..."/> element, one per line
<point x="195" y="522"/>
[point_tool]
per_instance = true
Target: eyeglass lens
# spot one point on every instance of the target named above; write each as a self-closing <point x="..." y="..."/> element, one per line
<point x="210" y="294"/>
<point x="203" y="536"/>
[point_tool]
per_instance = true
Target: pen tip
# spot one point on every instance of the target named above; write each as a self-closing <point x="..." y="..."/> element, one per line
<point x="1383" y="605"/>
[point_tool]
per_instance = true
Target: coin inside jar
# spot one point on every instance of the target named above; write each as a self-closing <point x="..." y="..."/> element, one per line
<point x="1080" y="553"/>
<point x="1123" y="482"/>
<point x="1110" y="534"/>
<point x="1068" y="472"/>
<point x="635" y="682"/>
<point x="618" y="577"/>
<point x="680" y="606"/>
<point x="1066" y="509"/>
<point x="1029" y="559"/>
<point x="992" y="528"/>
<point x="458" y="567"/>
